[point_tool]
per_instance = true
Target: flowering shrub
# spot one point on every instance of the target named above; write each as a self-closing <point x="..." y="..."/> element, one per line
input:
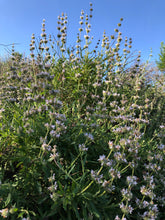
<point x="81" y="132"/>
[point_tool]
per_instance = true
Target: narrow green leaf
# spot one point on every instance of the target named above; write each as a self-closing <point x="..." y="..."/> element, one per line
<point x="8" y="199"/>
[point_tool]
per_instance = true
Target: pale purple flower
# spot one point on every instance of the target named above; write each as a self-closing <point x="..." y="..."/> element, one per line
<point x="90" y="136"/>
<point x="82" y="147"/>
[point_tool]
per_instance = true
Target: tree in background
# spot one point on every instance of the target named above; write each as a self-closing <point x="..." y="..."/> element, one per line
<point x="161" y="62"/>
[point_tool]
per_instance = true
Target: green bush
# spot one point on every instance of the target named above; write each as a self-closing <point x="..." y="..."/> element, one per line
<point x="81" y="132"/>
<point x="161" y="62"/>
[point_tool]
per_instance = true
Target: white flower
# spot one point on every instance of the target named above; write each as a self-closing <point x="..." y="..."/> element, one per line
<point x="82" y="147"/>
<point x="90" y="136"/>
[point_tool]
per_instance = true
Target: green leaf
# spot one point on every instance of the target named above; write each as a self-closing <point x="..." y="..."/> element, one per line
<point x="42" y="200"/>
<point x="71" y="169"/>
<point x="85" y="214"/>
<point x="13" y="210"/>
<point x="94" y="210"/>
<point x="75" y="206"/>
<point x="20" y="163"/>
<point x="8" y="199"/>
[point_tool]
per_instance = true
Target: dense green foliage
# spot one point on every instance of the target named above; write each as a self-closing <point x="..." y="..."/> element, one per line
<point x="161" y="61"/>
<point x="82" y="133"/>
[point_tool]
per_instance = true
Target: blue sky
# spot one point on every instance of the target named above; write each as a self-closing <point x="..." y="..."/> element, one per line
<point x="144" y="21"/>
